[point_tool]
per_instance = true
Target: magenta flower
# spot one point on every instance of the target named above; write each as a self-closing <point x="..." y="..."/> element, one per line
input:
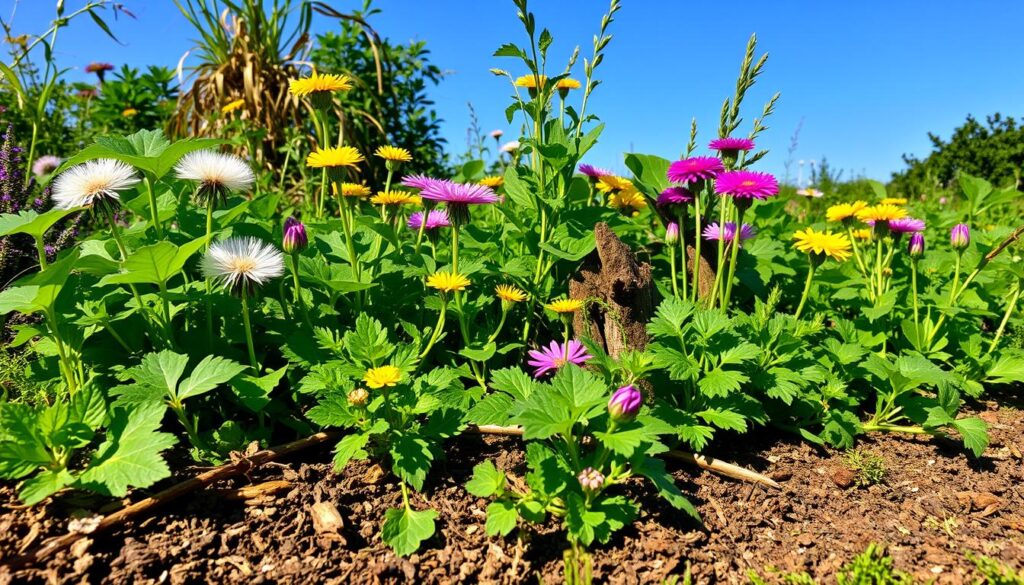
<point x="746" y="185"/>
<point x="419" y="182"/>
<point x="437" y="218"/>
<point x="905" y="225"/>
<point x="594" y="172"/>
<point x="715" y="232"/>
<point x="731" y="144"/>
<point x="691" y="170"/>
<point x="674" y="196"/>
<point x="916" y="245"/>
<point x="555" y="355"/>
<point x="459" y="193"/>
<point x="625" y="404"/>
<point x="960" y="236"/>
<point x="294" y="239"/>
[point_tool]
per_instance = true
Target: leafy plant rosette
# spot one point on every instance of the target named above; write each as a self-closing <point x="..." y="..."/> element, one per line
<point x="582" y="447"/>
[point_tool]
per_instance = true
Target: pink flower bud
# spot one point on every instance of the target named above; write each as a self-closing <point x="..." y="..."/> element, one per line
<point x="625" y="404"/>
<point x="960" y="236"/>
<point x="294" y="239"/>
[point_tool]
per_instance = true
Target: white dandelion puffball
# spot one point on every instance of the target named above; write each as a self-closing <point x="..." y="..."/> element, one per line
<point x="93" y="182"/>
<point x="510" y="146"/>
<point x="215" y="170"/>
<point x="242" y="262"/>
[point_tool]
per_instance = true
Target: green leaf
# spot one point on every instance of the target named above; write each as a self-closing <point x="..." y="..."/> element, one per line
<point x="494" y="409"/>
<point x="404" y="529"/>
<point x="1006" y="370"/>
<point x="487" y="480"/>
<point x="154" y="264"/>
<point x="501" y="518"/>
<point x="649" y="172"/>
<point x="654" y="470"/>
<point x="44" y="485"/>
<point x="625" y="439"/>
<point x="974" y="432"/>
<point x="480" y="355"/>
<point x="333" y="411"/>
<point x="208" y="374"/>
<point x="724" y="419"/>
<point x="39" y="291"/>
<point x="160" y="370"/>
<point x="147" y="150"/>
<point x="719" y="382"/>
<point x="514" y="381"/>
<point x="32" y="223"/>
<point x="411" y="459"/>
<point x="350" y="447"/>
<point x="130" y="457"/>
<point x="254" y="392"/>
<point x="368" y="344"/>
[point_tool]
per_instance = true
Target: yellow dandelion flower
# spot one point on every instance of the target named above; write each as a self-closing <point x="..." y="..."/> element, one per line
<point x="509" y="293"/>
<point x="447" y="281"/>
<point x="344" y="156"/>
<point x="382" y="376"/>
<point x="232" y="106"/>
<point x="395" y="198"/>
<point x="564" y="305"/>
<point x="530" y="81"/>
<point x="893" y="201"/>
<point x="628" y="201"/>
<point x="881" y="213"/>
<point x="610" y="183"/>
<point x="493" y="181"/>
<point x="316" y="83"/>
<point x="845" y="211"/>
<point x="862" y="234"/>
<point x="567" y="84"/>
<point x="352" y="190"/>
<point x="824" y="243"/>
<point x="130" y="112"/>
<point x="393" y="154"/>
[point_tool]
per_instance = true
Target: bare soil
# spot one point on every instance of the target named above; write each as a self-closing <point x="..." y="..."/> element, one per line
<point x="934" y="507"/>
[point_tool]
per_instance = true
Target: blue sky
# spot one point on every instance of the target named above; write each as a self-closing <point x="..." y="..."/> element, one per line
<point x="868" y="79"/>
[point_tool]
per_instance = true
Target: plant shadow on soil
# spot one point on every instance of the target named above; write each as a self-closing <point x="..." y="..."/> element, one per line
<point x="935" y="505"/>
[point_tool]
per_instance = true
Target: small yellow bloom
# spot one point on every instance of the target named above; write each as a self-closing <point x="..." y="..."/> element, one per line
<point x="844" y="211"/>
<point x="862" y="234"/>
<point x="611" y="183"/>
<point x="232" y="106"/>
<point x="567" y="84"/>
<point x="382" y="376"/>
<point x="393" y="153"/>
<point x="352" y="190"/>
<point x="344" y="156"/>
<point x="893" y="201"/>
<point x="395" y="198"/>
<point x="130" y="112"/>
<point x="317" y="83"/>
<point x="447" y="281"/>
<point x="510" y="293"/>
<point x="564" y="305"/>
<point x="628" y="201"/>
<point x="530" y="81"/>
<point x="824" y="243"/>
<point x="881" y="213"/>
<point x="493" y="181"/>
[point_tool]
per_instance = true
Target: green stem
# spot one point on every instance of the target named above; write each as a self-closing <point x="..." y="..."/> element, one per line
<point x="438" y="328"/>
<point x="696" y="243"/>
<point x="888" y="428"/>
<point x="248" y="332"/>
<point x="209" y="286"/>
<point x="956" y="279"/>
<point x="913" y="288"/>
<point x="672" y="266"/>
<point x="735" y="254"/>
<point x="682" y="249"/>
<point x="41" y="251"/>
<point x="501" y="325"/>
<point x="349" y="239"/>
<point x="1006" y="318"/>
<point x="153" y="212"/>
<point x="807" y="290"/>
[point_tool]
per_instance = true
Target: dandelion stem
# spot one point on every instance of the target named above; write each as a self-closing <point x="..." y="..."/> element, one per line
<point x="807" y="291"/>
<point x="248" y="332"/>
<point x="154" y="215"/>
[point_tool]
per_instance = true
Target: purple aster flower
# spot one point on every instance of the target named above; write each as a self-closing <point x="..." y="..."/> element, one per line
<point x="731" y="144"/>
<point x="419" y="182"/>
<point x="294" y="238"/>
<point x="459" y="193"/>
<point x="746" y="185"/>
<point x="594" y="172"/>
<point x="916" y="245"/>
<point x="960" y="236"/>
<point x="906" y="225"/>
<point x="715" y="232"/>
<point x="692" y="170"/>
<point x="625" y="404"/>
<point x="45" y="165"/>
<point x="674" y="196"/>
<point x="437" y="218"/>
<point x="556" y="355"/>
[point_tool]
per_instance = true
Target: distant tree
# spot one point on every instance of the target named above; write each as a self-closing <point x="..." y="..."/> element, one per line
<point x="994" y="151"/>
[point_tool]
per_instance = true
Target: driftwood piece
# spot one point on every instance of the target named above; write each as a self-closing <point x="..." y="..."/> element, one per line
<point x="706" y="277"/>
<point x="624" y="291"/>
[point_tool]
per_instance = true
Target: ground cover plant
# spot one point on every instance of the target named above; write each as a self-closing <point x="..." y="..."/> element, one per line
<point x="205" y="293"/>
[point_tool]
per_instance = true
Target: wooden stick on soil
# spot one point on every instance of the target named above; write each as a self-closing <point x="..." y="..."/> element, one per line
<point x="174" y="492"/>
<point x="702" y="461"/>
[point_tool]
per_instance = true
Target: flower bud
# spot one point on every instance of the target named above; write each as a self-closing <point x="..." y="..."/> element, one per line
<point x="294" y="239"/>
<point x="672" y="233"/>
<point x="358" y="397"/>
<point x="960" y="236"/>
<point x="591" y="479"/>
<point x="916" y="246"/>
<point x="625" y="403"/>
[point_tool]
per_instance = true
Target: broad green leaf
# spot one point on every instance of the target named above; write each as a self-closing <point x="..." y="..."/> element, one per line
<point x="411" y="459"/>
<point x="501" y="518"/>
<point x="494" y="409"/>
<point x="146" y="150"/>
<point x="480" y="355"/>
<point x="404" y="529"/>
<point x="514" y="381"/>
<point x="44" y="485"/>
<point x="1006" y="370"/>
<point x="254" y="392"/>
<point x="39" y="291"/>
<point x="487" y="480"/>
<point x="719" y="382"/>
<point x="974" y="432"/>
<point x="154" y="264"/>
<point x="32" y="223"/>
<point x="130" y="457"/>
<point x="654" y="470"/>
<point x="350" y="447"/>
<point x="160" y="370"/>
<point x="208" y="374"/>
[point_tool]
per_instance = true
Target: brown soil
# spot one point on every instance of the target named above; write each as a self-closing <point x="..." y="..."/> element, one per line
<point x="934" y="506"/>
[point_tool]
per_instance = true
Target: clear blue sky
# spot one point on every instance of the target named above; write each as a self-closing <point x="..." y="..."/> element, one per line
<point x="868" y="78"/>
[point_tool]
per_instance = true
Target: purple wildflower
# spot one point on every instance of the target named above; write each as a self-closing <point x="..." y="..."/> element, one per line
<point x="556" y="355"/>
<point x="732" y="145"/>
<point x="625" y="404"/>
<point x="960" y="236"/>
<point x="692" y="170"/>
<point x="906" y="225"/>
<point x="594" y="172"/>
<point x="916" y="245"/>
<point x="437" y="218"/>
<point x="674" y="196"/>
<point x="294" y="239"/>
<point x="728" y="233"/>
<point x="746" y="185"/>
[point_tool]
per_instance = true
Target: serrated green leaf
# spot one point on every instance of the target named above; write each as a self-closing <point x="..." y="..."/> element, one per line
<point x="654" y="470"/>
<point x="350" y="447"/>
<point x="411" y="459"/>
<point x="254" y="392"/>
<point x="404" y="529"/>
<point x="487" y="480"/>
<point x="130" y="457"/>
<point x="43" y="485"/>
<point x="719" y="382"/>
<point x="501" y="518"/>
<point x="207" y="375"/>
<point x="974" y="432"/>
